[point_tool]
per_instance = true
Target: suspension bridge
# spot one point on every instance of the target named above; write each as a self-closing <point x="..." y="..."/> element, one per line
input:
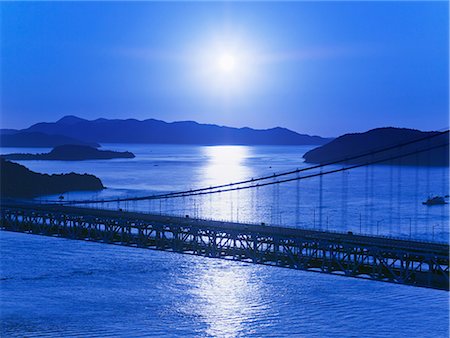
<point x="299" y="227"/>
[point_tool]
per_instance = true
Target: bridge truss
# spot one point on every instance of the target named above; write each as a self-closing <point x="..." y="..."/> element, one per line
<point x="378" y="258"/>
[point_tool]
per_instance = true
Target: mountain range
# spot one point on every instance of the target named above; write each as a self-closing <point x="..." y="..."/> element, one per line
<point x="16" y="138"/>
<point x="160" y="132"/>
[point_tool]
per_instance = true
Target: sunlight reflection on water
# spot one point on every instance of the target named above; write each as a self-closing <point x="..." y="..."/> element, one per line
<point x="226" y="297"/>
<point x="57" y="287"/>
<point x="226" y="164"/>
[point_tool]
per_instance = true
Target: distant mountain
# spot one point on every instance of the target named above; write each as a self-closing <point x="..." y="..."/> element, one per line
<point x="350" y="145"/>
<point x="8" y="131"/>
<point x="72" y="153"/>
<point x="156" y="131"/>
<point x="14" y="138"/>
<point x="18" y="181"/>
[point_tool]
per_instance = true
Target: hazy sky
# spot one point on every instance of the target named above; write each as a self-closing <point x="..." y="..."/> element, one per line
<point x="315" y="67"/>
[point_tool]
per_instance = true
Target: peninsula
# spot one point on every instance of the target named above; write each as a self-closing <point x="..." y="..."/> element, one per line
<point x="351" y="146"/>
<point x="18" y="181"/>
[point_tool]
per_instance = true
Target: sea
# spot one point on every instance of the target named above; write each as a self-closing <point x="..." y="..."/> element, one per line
<point x="54" y="287"/>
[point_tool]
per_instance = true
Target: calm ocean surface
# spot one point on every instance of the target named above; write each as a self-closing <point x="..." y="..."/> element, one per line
<point x="58" y="287"/>
<point x="381" y="199"/>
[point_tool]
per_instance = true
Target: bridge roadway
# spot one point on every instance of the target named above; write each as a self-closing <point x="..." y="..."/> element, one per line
<point x="375" y="257"/>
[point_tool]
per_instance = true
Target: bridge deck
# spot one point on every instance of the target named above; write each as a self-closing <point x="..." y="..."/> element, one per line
<point x="379" y="241"/>
<point x="395" y="260"/>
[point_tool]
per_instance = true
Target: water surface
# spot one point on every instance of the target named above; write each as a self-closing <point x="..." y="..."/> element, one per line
<point x="59" y="288"/>
<point x="53" y="287"/>
<point x="382" y="199"/>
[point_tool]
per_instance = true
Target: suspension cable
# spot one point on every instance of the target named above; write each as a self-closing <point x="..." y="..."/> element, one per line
<point x="217" y="189"/>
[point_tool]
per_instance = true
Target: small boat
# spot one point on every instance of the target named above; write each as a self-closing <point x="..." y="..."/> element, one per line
<point x="436" y="200"/>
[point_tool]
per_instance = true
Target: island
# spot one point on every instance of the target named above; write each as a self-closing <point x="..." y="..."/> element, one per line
<point x="17" y="181"/>
<point x="72" y="152"/>
<point x="349" y="146"/>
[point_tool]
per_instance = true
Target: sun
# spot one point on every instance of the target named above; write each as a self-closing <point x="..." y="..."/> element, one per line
<point x="225" y="66"/>
<point x="227" y="62"/>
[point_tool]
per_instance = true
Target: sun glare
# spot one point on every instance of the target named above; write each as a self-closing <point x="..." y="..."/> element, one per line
<point x="226" y="66"/>
<point x="227" y="62"/>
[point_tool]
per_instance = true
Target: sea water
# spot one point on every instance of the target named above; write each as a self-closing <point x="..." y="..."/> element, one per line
<point x="54" y="287"/>
<point x="377" y="200"/>
<point x="57" y="287"/>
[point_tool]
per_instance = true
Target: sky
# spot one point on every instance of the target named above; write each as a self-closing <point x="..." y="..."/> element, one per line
<point x="322" y="68"/>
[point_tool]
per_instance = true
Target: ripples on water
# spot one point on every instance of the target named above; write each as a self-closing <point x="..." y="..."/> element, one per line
<point x="57" y="287"/>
